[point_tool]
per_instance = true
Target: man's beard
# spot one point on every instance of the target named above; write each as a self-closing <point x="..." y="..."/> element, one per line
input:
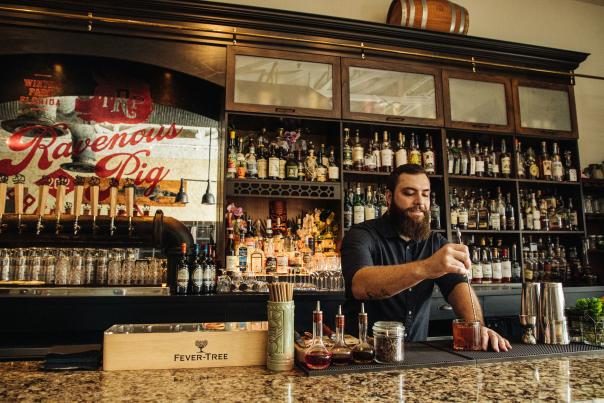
<point x="418" y="230"/>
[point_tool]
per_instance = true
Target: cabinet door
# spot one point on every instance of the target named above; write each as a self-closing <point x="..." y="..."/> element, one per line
<point x="545" y="108"/>
<point x="478" y="101"/>
<point x="391" y="92"/>
<point x="274" y="81"/>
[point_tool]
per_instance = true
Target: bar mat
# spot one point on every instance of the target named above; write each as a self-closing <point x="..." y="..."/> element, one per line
<point x="417" y="355"/>
<point x="519" y="351"/>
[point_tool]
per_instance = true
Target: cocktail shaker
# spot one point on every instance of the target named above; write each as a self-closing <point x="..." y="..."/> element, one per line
<point x="530" y="307"/>
<point x="553" y="322"/>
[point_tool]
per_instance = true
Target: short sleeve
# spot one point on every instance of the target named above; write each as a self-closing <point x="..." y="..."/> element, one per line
<point x="447" y="283"/>
<point x="356" y="254"/>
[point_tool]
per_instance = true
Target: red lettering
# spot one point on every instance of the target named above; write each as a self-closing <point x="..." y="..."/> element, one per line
<point x="63" y="150"/>
<point x="36" y="143"/>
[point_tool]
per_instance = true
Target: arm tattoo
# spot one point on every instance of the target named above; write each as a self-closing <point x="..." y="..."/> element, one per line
<point x="383" y="293"/>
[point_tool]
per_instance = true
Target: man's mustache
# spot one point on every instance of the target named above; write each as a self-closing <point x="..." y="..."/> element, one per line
<point x="416" y="208"/>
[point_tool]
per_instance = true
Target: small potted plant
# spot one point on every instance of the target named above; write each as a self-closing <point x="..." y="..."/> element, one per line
<point x="592" y="324"/>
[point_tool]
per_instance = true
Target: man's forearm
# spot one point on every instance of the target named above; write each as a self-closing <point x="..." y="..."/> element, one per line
<point x="389" y="281"/>
<point x="459" y="298"/>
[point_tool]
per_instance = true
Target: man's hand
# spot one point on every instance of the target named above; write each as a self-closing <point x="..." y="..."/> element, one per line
<point x="451" y="258"/>
<point x="498" y="343"/>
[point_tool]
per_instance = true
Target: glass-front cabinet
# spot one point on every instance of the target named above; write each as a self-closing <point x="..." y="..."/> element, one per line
<point x="383" y="91"/>
<point x="275" y="81"/>
<point x="478" y="101"/>
<point x="544" y="108"/>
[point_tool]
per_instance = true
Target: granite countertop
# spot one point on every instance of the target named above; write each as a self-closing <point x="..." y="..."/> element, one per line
<point x="559" y="379"/>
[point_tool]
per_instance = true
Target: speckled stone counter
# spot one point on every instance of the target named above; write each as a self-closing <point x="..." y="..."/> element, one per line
<point x="556" y="379"/>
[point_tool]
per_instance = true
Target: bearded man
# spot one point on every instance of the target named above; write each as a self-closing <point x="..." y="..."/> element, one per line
<point x="391" y="263"/>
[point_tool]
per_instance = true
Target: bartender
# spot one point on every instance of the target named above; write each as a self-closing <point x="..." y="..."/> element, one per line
<point x="391" y="263"/>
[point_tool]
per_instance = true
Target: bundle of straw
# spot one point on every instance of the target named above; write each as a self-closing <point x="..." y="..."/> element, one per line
<point x="280" y="292"/>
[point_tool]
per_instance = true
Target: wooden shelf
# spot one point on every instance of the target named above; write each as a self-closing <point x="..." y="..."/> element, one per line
<point x="543" y="182"/>
<point x="367" y="173"/>
<point x="481" y="178"/>
<point x="594" y="216"/>
<point x="487" y="231"/>
<point x="592" y="183"/>
<point x="529" y="232"/>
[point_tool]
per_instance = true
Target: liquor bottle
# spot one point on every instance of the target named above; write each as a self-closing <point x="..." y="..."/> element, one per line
<point x="462" y="215"/>
<point x="321" y="168"/>
<point x="370" y="162"/>
<point x="386" y="154"/>
<point x="434" y="212"/>
<point x="358" y="153"/>
<point x="340" y="352"/>
<point x="205" y="261"/>
<point x="506" y="266"/>
<point x="476" y="267"/>
<point x="358" y="207"/>
<point x="241" y="161"/>
<point x="281" y="153"/>
<point x="317" y="356"/>
<point x="516" y="269"/>
<point x="528" y="267"/>
<point x="494" y="157"/>
<point x="506" y="160"/>
<point x="232" y="157"/>
<point x="273" y="163"/>
<point x="487" y="268"/>
<point x="483" y="216"/>
<point x="333" y="171"/>
<point x="509" y="213"/>
<point x="574" y="217"/>
<point x="545" y="163"/>
<point x="456" y="150"/>
<point x="348" y="209"/>
<point x="301" y="167"/>
<point x="262" y="162"/>
<point x="325" y="155"/>
<point x="232" y="261"/>
<point x="480" y="162"/>
<point x="376" y="151"/>
<point x="428" y="156"/>
<point x="471" y="159"/>
<point x="363" y="352"/>
<point x="291" y="167"/>
<point x="182" y="272"/>
<point x="196" y="271"/>
<point x="369" y="205"/>
<point x="450" y="156"/>
<point x="381" y="206"/>
<point x="531" y="164"/>
<point x="347" y="163"/>
<point x="465" y="159"/>
<point x="269" y="249"/>
<point x="401" y="151"/>
<point x="453" y="202"/>
<point x="310" y="163"/>
<point x="557" y="168"/>
<point x="569" y="171"/>
<point x="496" y="266"/>
<point x="520" y="163"/>
<point x="472" y="215"/>
<point x="415" y="156"/>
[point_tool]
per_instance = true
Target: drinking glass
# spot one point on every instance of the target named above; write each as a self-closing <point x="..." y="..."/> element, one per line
<point x="49" y="262"/>
<point x="466" y="335"/>
<point x="141" y="268"/>
<point x="62" y="268"/>
<point x="101" y="267"/>
<point x="5" y="265"/>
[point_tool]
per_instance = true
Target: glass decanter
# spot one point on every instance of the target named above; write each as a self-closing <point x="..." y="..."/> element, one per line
<point x="363" y="352"/>
<point x="340" y="352"/>
<point x="317" y="356"/>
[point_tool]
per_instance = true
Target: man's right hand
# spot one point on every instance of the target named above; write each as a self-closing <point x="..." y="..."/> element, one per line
<point x="451" y="258"/>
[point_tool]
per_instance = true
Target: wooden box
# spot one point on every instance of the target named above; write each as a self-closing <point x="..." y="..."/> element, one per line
<point x="198" y="345"/>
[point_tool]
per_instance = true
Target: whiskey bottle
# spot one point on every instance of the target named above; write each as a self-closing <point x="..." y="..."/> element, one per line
<point x="531" y="164"/>
<point x="487" y="268"/>
<point x="506" y="266"/>
<point x="506" y="160"/>
<point x="476" y="267"/>
<point x="480" y="162"/>
<point x="358" y="206"/>
<point x="251" y="163"/>
<point x="281" y="153"/>
<point x="471" y="159"/>
<point x="370" y="159"/>
<point x="369" y="205"/>
<point x="569" y="171"/>
<point x="401" y="151"/>
<point x="182" y="272"/>
<point x="516" y="269"/>
<point x="450" y="156"/>
<point x="232" y="260"/>
<point x="273" y="163"/>
<point x="347" y="162"/>
<point x="232" y="157"/>
<point x="348" y="208"/>
<point x="545" y="163"/>
<point x="520" y="163"/>
<point x="428" y="156"/>
<point x="358" y="153"/>
<point x="495" y="169"/>
<point x="376" y="152"/>
<point x="241" y="161"/>
<point x="262" y="162"/>
<point x="415" y="156"/>
<point x="196" y="271"/>
<point x="333" y="171"/>
<point x="321" y="168"/>
<point x="291" y="167"/>
<point x="557" y="168"/>
<point x="496" y="266"/>
<point x="301" y="166"/>
<point x="465" y="158"/>
<point x="434" y="212"/>
<point x="386" y="154"/>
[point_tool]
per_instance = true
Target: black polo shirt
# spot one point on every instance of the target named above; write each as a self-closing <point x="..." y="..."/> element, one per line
<point x="378" y="243"/>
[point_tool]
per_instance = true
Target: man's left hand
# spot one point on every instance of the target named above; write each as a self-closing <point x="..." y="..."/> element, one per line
<point x="497" y="342"/>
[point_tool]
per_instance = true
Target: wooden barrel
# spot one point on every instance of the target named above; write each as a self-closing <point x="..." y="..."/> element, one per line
<point x="432" y="15"/>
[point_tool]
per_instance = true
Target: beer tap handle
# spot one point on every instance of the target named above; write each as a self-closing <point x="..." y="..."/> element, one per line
<point x="60" y="200"/>
<point x="19" y="190"/>
<point x="3" y="190"/>
<point x="112" y="206"/>
<point x="77" y="200"/>
<point x="130" y="206"/>
<point x="94" y="200"/>
<point x="42" y="198"/>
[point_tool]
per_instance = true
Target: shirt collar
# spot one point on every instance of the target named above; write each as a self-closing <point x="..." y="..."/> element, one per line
<point x="387" y="228"/>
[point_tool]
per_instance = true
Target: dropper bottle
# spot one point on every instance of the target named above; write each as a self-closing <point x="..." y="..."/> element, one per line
<point x="317" y="356"/>
<point x="363" y="352"/>
<point x="341" y="353"/>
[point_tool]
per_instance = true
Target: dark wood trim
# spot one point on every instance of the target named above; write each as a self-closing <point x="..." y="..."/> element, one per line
<point x="572" y="134"/>
<point x="231" y="105"/>
<point x="505" y="81"/>
<point x="255" y="18"/>
<point x="377" y="64"/>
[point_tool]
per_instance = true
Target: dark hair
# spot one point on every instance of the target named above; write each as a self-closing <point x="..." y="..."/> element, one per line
<point x="411" y="169"/>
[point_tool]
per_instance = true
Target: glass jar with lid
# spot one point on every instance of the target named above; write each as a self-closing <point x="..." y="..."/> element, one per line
<point x="388" y="341"/>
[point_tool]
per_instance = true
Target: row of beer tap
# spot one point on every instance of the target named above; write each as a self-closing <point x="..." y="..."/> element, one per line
<point x="78" y="198"/>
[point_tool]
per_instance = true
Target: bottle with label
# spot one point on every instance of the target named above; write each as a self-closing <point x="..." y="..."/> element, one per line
<point x="520" y="163"/>
<point x="205" y="261"/>
<point x="495" y="159"/>
<point x="370" y="160"/>
<point x="471" y="159"/>
<point x="301" y="166"/>
<point x="462" y="215"/>
<point x="506" y="160"/>
<point x="496" y="266"/>
<point x="232" y="260"/>
<point x="358" y="206"/>
<point x="401" y="151"/>
<point x="487" y="268"/>
<point x="434" y="212"/>
<point x="196" y="271"/>
<point x="480" y="163"/>
<point x="415" y="156"/>
<point x="369" y="205"/>
<point x="386" y="154"/>
<point x="476" y="267"/>
<point x="531" y="164"/>
<point x="358" y="152"/>
<point x="450" y="156"/>
<point x="557" y="167"/>
<point x="347" y="162"/>
<point x="569" y="171"/>
<point x="273" y="163"/>
<point x="376" y="151"/>
<point x="241" y="162"/>
<point x="321" y="168"/>
<point x="428" y="156"/>
<point x="506" y="266"/>
<point x="516" y="269"/>
<point x="182" y="272"/>
<point x="250" y="160"/>
<point x="333" y="171"/>
<point x="545" y="163"/>
<point x="574" y="217"/>
<point x="348" y="209"/>
<point x="291" y="168"/>
<point x="232" y="157"/>
<point x="262" y="162"/>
